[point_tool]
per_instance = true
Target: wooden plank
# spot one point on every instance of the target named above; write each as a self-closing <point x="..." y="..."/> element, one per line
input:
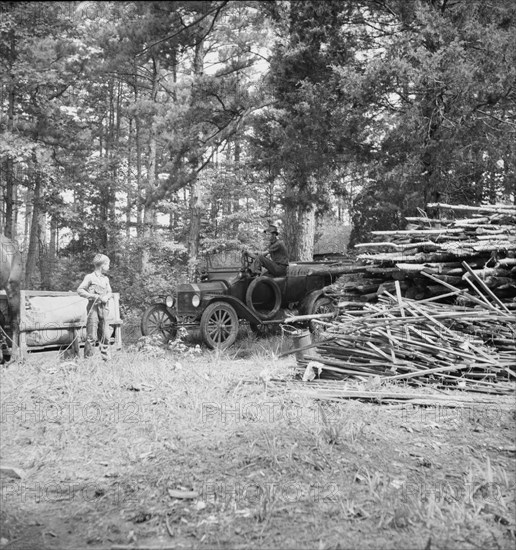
<point x="491" y="208"/>
<point x="47" y="293"/>
<point x="407" y="246"/>
<point x="449" y="231"/>
<point x="75" y="342"/>
<point x="11" y="471"/>
<point x="22" y="345"/>
<point x="118" y="329"/>
<point x="63" y="326"/>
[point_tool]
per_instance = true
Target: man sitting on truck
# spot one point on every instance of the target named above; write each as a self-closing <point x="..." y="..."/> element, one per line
<point x="274" y="259"/>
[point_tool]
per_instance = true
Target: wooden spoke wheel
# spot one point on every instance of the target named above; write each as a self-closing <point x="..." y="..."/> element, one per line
<point x="321" y="305"/>
<point x="219" y="325"/>
<point x="158" y="320"/>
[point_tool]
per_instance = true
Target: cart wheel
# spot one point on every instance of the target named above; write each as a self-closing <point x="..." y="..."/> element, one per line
<point x="219" y="325"/>
<point x="321" y="305"/>
<point x="158" y="320"/>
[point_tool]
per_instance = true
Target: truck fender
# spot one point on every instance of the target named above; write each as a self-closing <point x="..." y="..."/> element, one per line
<point x="309" y="300"/>
<point x="242" y="310"/>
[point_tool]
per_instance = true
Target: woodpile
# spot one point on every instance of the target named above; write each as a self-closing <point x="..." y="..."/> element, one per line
<point x="428" y="305"/>
<point x="439" y="256"/>
<point x="419" y="342"/>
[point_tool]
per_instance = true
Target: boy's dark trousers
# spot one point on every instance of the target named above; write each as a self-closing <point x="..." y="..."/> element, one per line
<point x="97" y="328"/>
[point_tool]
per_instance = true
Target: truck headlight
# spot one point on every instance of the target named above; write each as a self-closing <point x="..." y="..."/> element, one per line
<point x="169" y="301"/>
<point x="196" y="300"/>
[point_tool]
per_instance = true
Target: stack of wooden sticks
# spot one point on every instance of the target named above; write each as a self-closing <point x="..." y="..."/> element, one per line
<point x="435" y="255"/>
<point x="421" y="342"/>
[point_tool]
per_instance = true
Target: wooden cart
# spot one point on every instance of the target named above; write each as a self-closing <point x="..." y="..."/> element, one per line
<point x="51" y="320"/>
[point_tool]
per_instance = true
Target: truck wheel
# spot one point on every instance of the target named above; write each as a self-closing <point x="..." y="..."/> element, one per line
<point x="158" y="320"/>
<point x="263" y="292"/>
<point x="219" y="325"/>
<point x="323" y="304"/>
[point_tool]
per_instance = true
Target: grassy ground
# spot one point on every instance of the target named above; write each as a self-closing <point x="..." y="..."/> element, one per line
<point x="161" y="450"/>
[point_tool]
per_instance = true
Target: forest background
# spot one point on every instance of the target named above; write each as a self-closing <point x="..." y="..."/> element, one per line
<point x="157" y="132"/>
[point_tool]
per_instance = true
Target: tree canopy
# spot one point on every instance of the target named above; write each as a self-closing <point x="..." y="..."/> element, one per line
<point x="157" y="131"/>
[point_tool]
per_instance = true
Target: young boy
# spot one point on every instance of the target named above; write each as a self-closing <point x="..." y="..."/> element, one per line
<point x="96" y="288"/>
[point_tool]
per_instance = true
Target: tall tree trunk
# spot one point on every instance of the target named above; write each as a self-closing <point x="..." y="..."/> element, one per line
<point x="112" y="233"/>
<point x="300" y="221"/>
<point x="306" y="234"/>
<point x="10" y="200"/>
<point x="129" y="190"/>
<point x="29" y="201"/>
<point x="106" y="207"/>
<point x="195" y="227"/>
<point x="10" y="181"/>
<point x="306" y="224"/>
<point x="150" y="207"/>
<point x="173" y="217"/>
<point x="140" y="197"/>
<point x="149" y="213"/>
<point x="196" y="187"/>
<point x="101" y="206"/>
<point x="51" y="255"/>
<point x="290" y="231"/>
<point x="139" y="180"/>
<point x="43" y="257"/>
<point x="33" y="249"/>
<point x="235" y="200"/>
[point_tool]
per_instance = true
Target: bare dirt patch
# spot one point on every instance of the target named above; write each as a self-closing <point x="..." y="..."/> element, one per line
<point x="171" y="452"/>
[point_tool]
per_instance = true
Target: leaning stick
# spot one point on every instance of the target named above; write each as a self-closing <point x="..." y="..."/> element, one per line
<point x="296" y="318"/>
<point x="459" y="291"/>
<point x="378" y="350"/>
<point x="440" y="297"/>
<point x="400" y="302"/>
<point x="485" y="287"/>
<point x="439" y="324"/>
<point x="428" y="371"/>
<point x="474" y="288"/>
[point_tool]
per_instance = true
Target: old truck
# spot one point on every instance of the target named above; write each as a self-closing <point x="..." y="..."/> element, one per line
<point x="223" y="297"/>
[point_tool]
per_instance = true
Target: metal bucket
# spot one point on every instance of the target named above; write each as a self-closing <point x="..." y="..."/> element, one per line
<point x="301" y="338"/>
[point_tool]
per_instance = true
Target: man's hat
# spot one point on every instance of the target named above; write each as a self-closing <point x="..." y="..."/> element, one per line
<point x="271" y="229"/>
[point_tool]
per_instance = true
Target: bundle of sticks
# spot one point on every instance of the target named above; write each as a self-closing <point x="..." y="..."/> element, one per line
<point x="440" y="246"/>
<point x="420" y="342"/>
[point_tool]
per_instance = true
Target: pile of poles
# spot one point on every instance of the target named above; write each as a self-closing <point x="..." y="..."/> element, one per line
<point x="437" y="311"/>
<point x="420" y="342"/>
<point x="435" y="255"/>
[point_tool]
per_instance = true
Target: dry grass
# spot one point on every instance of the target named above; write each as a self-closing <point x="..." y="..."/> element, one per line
<point x="107" y="449"/>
